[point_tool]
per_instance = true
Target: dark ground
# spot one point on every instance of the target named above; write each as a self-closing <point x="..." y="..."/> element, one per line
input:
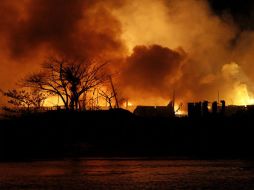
<point x="120" y="133"/>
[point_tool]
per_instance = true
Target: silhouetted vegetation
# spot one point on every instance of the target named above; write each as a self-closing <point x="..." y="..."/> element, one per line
<point x="24" y="100"/>
<point x="70" y="79"/>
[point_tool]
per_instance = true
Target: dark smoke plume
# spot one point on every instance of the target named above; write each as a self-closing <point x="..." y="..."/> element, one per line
<point x="151" y="70"/>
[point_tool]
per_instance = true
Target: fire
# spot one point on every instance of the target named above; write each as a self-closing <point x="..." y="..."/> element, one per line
<point x="53" y="101"/>
<point x="181" y="112"/>
<point x="242" y="96"/>
<point x="179" y="109"/>
<point x="130" y="104"/>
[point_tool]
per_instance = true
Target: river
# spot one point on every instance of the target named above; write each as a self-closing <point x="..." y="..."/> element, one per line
<point x="127" y="174"/>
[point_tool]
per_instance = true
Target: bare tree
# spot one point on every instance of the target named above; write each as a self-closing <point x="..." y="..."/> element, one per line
<point x="68" y="79"/>
<point x="108" y="96"/>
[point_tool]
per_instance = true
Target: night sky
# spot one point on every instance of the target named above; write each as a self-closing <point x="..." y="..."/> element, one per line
<point x="241" y="11"/>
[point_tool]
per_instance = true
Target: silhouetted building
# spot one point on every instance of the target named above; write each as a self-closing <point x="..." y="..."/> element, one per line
<point x="199" y="109"/>
<point x="191" y="109"/>
<point x="223" y="107"/>
<point x="194" y="109"/>
<point x="250" y="109"/>
<point x="155" y="111"/>
<point x="205" y="110"/>
<point x="215" y="107"/>
<point x="233" y="109"/>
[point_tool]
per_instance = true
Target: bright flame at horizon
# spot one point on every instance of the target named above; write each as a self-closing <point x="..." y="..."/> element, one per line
<point x="53" y="101"/>
<point x="242" y="96"/>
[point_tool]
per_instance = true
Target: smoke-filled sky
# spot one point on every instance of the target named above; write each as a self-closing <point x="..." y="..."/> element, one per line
<point x="195" y="47"/>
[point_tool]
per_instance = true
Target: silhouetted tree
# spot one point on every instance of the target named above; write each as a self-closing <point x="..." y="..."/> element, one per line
<point x="25" y="98"/>
<point x="108" y="96"/>
<point x="68" y="79"/>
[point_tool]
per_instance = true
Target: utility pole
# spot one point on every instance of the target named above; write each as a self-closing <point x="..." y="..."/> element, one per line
<point x="173" y="100"/>
<point x="218" y="96"/>
<point x="114" y="92"/>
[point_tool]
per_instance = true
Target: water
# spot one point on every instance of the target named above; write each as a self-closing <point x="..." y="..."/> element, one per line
<point x="127" y="174"/>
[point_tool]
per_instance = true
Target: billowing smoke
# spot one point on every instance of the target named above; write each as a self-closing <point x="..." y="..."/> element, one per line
<point x="68" y="27"/>
<point x="151" y="72"/>
<point x="157" y="47"/>
<point x="209" y="42"/>
<point x="33" y="30"/>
